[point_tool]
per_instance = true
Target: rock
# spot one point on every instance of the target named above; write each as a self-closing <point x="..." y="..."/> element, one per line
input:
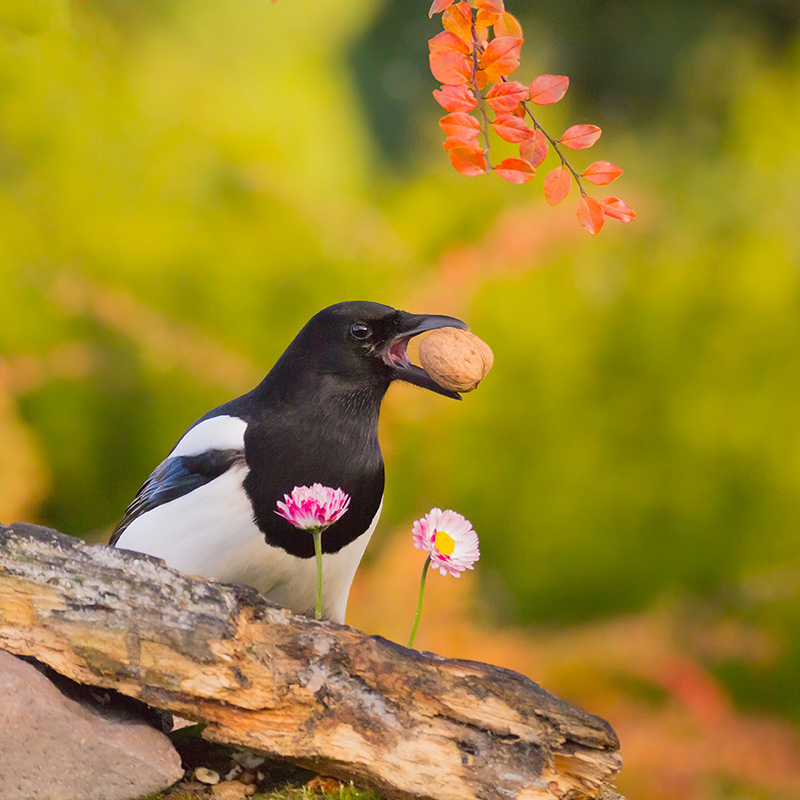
<point x="56" y="747"/>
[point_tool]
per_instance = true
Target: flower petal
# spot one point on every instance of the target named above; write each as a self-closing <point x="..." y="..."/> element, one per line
<point x="465" y="550"/>
<point x="313" y="507"/>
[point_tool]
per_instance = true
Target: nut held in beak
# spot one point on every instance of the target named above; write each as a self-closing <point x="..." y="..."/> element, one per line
<point x="457" y="360"/>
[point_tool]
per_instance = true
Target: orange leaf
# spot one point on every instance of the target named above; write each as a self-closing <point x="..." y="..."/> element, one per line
<point x="467" y="161"/>
<point x="617" y="209"/>
<point x="557" y="184"/>
<point x="451" y="142"/>
<point x="458" y="20"/>
<point x="501" y="56"/>
<point x="460" y="125"/>
<point x="439" y="5"/>
<point x="455" y="98"/>
<point x="485" y="19"/>
<point x="601" y="172"/>
<point x="445" y="42"/>
<point x="534" y="149"/>
<point x="547" y="89"/>
<point x="579" y="137"/>
<point x="508" y="25"/>
<point x="590" y="215"/>
<point x="481" y="79"/>
<point x="493" y="6"/>
<point x="511" y="128"/>
<point x="515" y="170"/>
<point x="505" y="97"/>
<point x="451" y="68"/>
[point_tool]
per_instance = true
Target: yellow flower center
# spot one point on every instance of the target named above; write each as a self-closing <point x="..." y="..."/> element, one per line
<point x="444" y="543"/>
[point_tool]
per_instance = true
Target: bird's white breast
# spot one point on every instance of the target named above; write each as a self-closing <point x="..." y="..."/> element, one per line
<point x="211" y="532"/>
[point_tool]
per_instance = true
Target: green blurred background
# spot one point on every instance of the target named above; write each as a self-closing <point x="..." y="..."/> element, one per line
<point x="183" y="184"/>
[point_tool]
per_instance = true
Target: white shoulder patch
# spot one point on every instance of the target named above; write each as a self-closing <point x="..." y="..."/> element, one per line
<point x="217" y="433"/>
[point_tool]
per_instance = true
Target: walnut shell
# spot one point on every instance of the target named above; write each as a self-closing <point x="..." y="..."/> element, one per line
<point x="456" y="359"/>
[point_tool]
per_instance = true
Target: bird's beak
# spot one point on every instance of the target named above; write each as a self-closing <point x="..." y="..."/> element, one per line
<point x="395" y="354"/>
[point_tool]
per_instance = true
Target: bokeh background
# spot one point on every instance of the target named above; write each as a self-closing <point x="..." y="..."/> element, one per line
<point x="183" y="184"/>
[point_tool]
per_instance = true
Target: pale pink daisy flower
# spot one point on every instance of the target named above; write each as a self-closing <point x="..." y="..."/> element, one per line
<point x="450" y="540"/>
<point x="313" y="507"/>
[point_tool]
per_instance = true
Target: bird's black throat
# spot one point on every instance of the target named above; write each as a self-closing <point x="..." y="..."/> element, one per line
<point x="330" y="438"/>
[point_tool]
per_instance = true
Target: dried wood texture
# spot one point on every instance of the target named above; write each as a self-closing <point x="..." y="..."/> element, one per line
<point x="323" y="695"/>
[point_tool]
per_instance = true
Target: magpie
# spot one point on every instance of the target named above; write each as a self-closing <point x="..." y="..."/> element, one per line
<point x="209" y="508"/>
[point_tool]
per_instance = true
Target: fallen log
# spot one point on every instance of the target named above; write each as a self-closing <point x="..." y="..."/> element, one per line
<point x="325" y="696"/>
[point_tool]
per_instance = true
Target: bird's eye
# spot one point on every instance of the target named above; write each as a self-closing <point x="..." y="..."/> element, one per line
<point x="360" y="330"/>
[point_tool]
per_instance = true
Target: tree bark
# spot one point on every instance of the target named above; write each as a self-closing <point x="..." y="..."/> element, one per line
<point x="325" y="696"/>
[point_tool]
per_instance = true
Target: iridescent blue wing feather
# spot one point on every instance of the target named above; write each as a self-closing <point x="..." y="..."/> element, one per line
<point x="175" y="477"/>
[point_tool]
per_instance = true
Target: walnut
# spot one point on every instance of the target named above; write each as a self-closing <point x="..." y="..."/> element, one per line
<point x="456" y="359"/>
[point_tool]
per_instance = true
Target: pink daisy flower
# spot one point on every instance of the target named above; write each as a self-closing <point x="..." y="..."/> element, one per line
<point x="450" y="540"/>
<point x="313" y="507"/>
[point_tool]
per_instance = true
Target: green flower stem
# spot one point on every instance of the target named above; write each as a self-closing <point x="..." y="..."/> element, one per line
<point x="317" y="534"/>
<point x="419" y="605"/>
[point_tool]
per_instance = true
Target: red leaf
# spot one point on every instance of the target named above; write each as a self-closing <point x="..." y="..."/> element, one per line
<point x="601" y="172"/>
<point x="451" y="68"/>
<point x="508" y="25"/>
<point x="501" y="56"/>
<point x="579" y="137"/>
<point x="452" y="141"/>
<point x="515" y="170"/>
<point x="439" y="5"/>
<point x="617" y="209"/>
<point x="590" y="215"/>
<point x="547" y="89"/>
<point x="455" y="98"/>
<point x="557" y="184"/>
<point x="467" y="161"/>
<point x="505" y="97"/>
<point x="462" y="126"/>
<point x="493" y="6"/>
<point x="445" y="42"/>
<point x="534" y="149"/>
<point x="458" y="20"/>
<point x="511" y="128"/>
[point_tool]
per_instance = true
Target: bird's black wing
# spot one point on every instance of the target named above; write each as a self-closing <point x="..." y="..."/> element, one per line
<point x="175" y="477"/>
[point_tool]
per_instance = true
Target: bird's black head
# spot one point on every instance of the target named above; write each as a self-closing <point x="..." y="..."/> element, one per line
<point x="359" y="344"/>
